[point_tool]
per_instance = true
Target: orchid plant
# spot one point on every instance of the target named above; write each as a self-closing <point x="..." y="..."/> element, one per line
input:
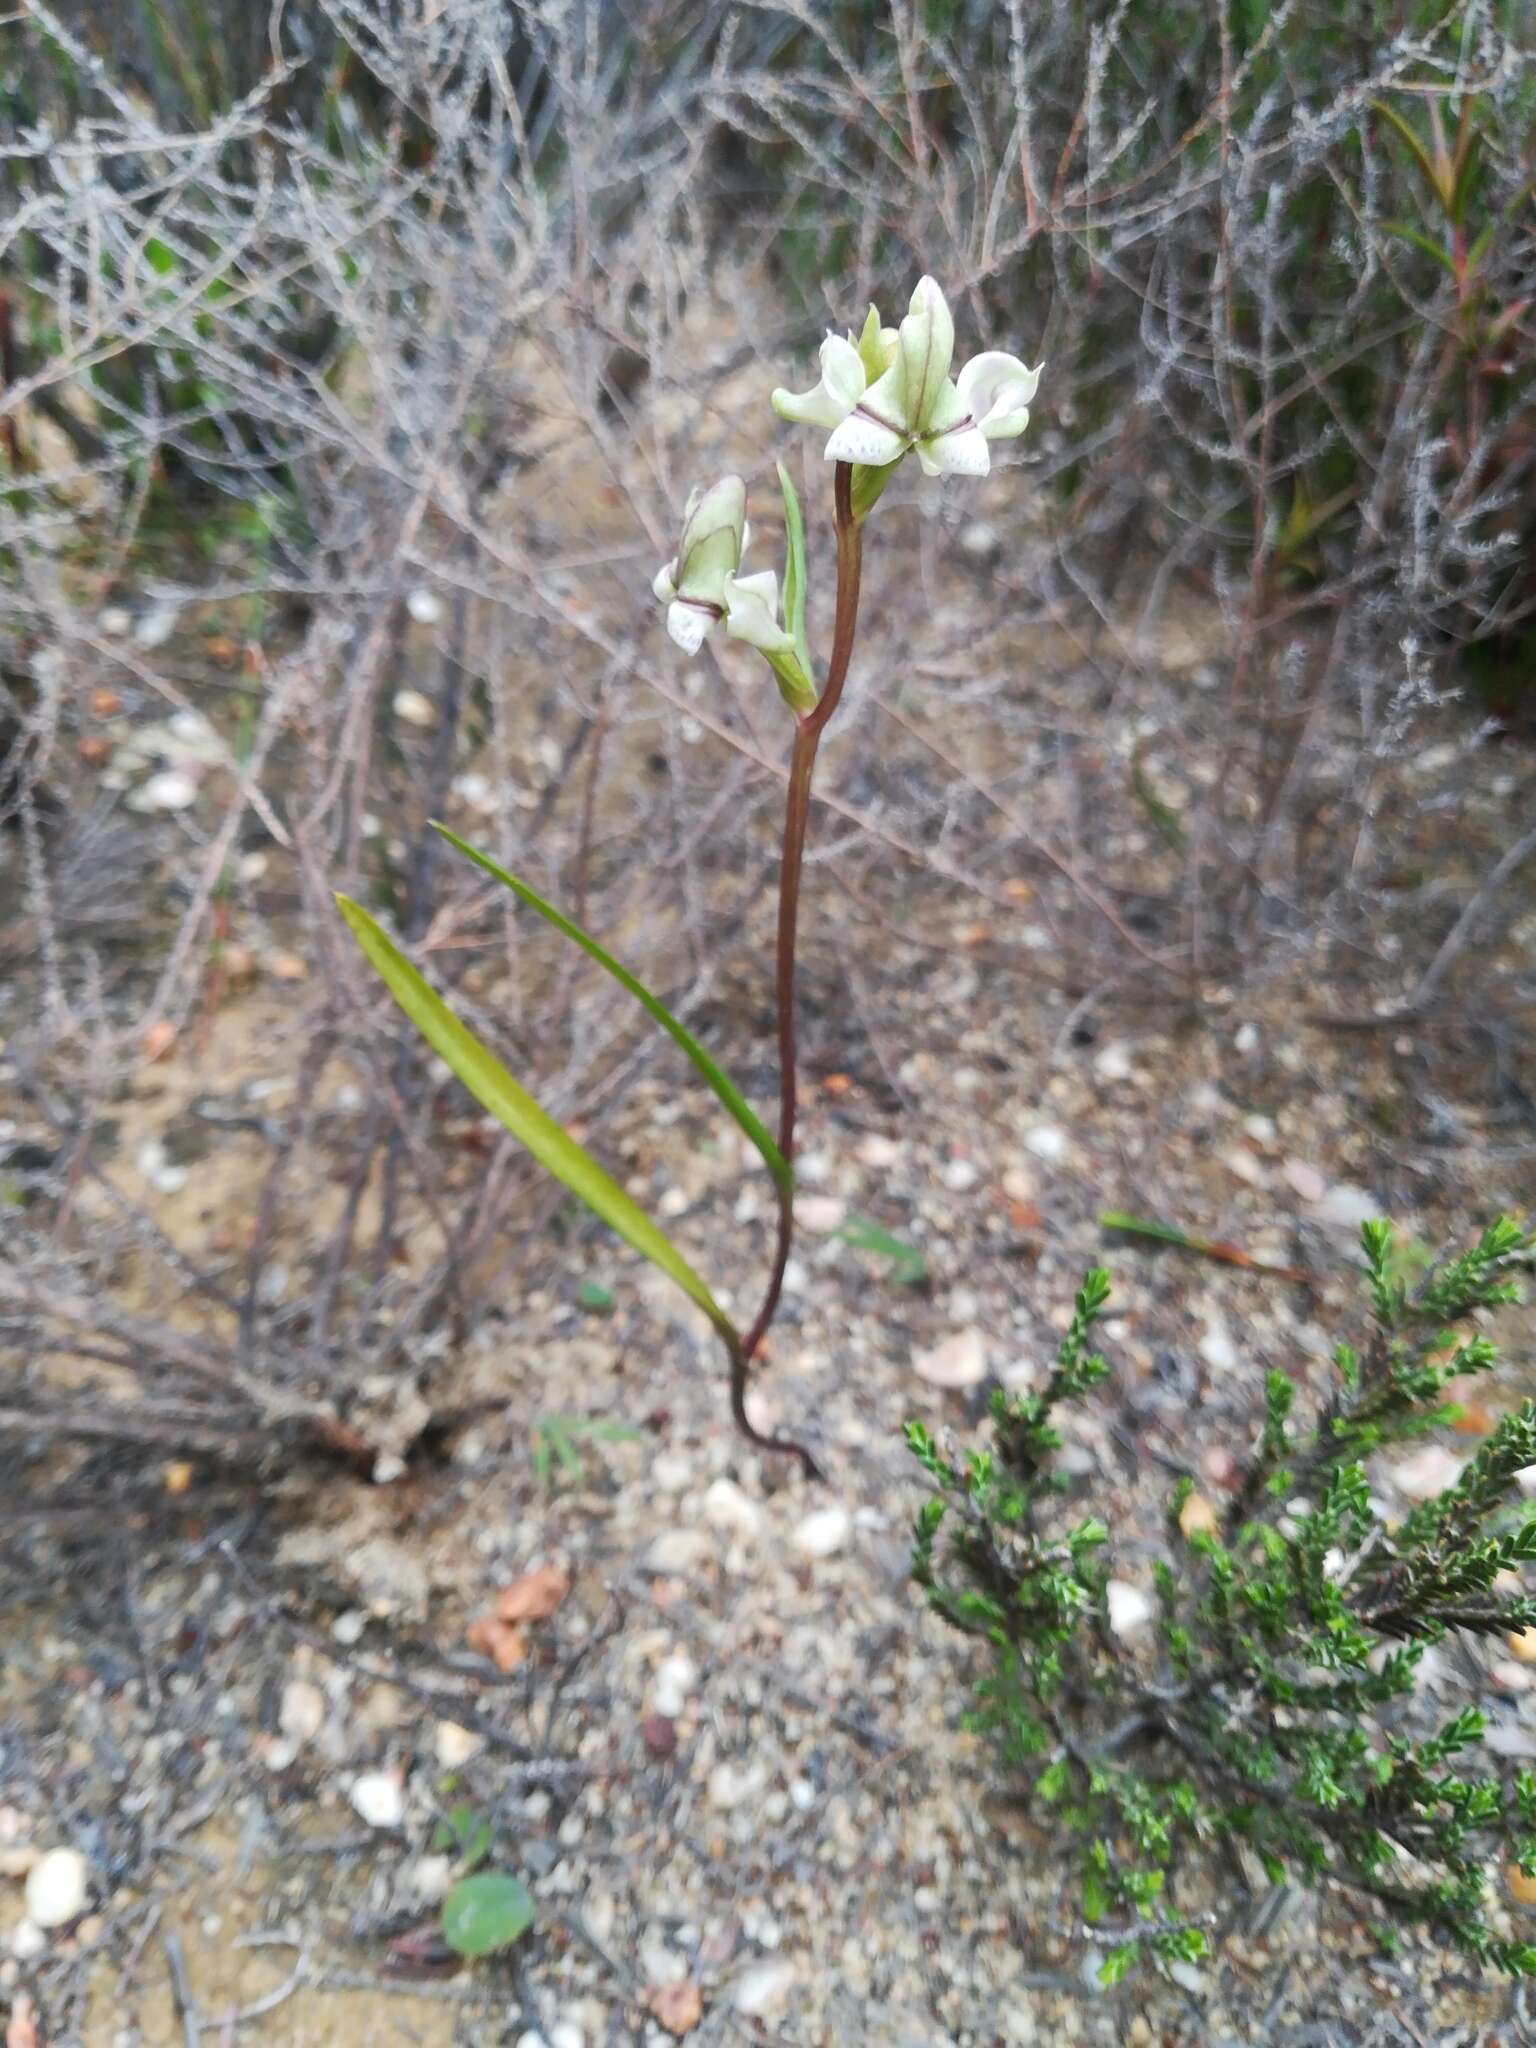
<point x="882" y="395"/>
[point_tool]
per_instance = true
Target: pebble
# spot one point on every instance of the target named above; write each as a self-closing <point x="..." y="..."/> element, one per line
<point x="58" y="1887"/>
<point x="171" y="790"/>
<point x="730" y="1785"/>
<point x="1112" y="1063"/>
<point x="1244" y="1167"/>
<point x="301" y="1714"/>
<point x="1428" y="1472"/>
<point x="27" y="1941"/>
<point x="430" y="1878"/>
<point x="1198" y="1517"/>
<point x="378" y="1797"/>
<point x="1521" y="1644"/>
<point x="454" y="1746"/>
<point x="761" y="1988"/>
<point x="727" y="1507"/>
<point x="563" y="2034"/>
<point x="1046" y="1141"/>
<point x="960" y="1361"/>
<point x="415" y="709"/>
<point x="820" y="1212"/>
<point x="878" y="1151"/>
<point x="1345" y="1208"/>
<point x="115" y="622"/>
<point x="674" y="1684"/>
<point x="980" y="541"/>
<point x="348" y="1627"/>
<point x="157" y="625"/>
<point x="1217" y="1348"/>
<point x="823" y="1531"/>
<point x="158" y="1169"/>
<point x="960" y="1175"/>
<point x="1130" y="1608"/>
<point x="424" y="606"/>
<point x="678" y="1550"/>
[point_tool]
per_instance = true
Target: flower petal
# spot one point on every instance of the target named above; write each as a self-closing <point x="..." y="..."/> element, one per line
<point x="664" y="582"/>
<point x="961" y="452"/>
<point x="752" y="611"/>
<point x="712" y="541"/>
<point x="839" y="391"/>
<point x="687" y="626"/>
<point x="861" y="439"/>
<point x="927" y="343"/>
<point x="996" y="390"/>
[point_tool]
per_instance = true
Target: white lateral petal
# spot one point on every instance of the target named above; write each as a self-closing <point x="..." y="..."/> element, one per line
<point x="963" y="453"/>
<point x="994" y="388"/>
<point x="664" y="582"/>
<point x="864" y="440"/>
<point x="839" y="391"/>
<point x="752" y="611"/>
<point x="687" y="626"/>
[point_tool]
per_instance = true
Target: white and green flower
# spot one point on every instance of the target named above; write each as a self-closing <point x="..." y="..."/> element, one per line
<point x="692" y="584"/>
<point x="892" y="393"/>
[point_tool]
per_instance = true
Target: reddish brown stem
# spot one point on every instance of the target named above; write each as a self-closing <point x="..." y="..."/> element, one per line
<point x="802" y="767"/>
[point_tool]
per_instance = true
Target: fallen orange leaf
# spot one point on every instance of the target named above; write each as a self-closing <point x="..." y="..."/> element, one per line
<point x="159" y="1037"/>
<point x="535" y="1596"/>
<point x="505" y="1646"/>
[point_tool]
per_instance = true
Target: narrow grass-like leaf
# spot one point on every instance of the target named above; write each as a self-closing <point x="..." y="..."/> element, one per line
<point x="730" y="1096"/>
<point x="794" y="571"/>
<point x="513" y="1107"/>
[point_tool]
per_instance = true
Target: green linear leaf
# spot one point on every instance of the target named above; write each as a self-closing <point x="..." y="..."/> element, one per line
<point x="794" y="572"/>
<point x="730" y="1096"/>
<point x="510" y="1103"/>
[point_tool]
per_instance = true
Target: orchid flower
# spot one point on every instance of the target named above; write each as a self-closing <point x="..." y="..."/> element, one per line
<point x="893" y="392"/>
<point x="701" y="589"/>
<point x="692" y="584"/>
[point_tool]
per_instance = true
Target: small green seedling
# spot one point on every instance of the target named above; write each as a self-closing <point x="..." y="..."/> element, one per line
<point x="907" y="1262"/>
<point x="555" y="1438"/>
<point x="485" y="1910"/>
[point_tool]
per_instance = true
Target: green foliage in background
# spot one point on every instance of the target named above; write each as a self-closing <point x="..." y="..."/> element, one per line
<point x="1273" y="1712"/>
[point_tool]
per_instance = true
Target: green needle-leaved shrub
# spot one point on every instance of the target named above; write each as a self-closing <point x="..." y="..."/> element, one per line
<point x="1272" y="1724"/>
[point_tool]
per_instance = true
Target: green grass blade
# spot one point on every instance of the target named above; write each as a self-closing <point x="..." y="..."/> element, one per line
<point x="730" y="1096"/>
<point x="515" y="1109"/>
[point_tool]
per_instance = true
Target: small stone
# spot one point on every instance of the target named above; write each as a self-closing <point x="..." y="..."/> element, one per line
<point x="980" y="541"/>
<point x="287" y="967"/>
<point x="820" y="1212"/>
<point x="1198" y="1517"/>
<point x="115" y="622"/>
<point x="1304" y="1179"/>
<point x="1345" y="1208"/>
<point x="960" y="1175"/>
<point x="678" y="2007"/>
<point x="378" y="1797"/>
<point x="678" y="1550"/>
<point x="27" y="1941"/>
<point x="960" y="1361"/>
<point x="1514" y="1677"/>
<point x="454" y="1746"/>
<point x="163" y="1175"/>
<point x="1522" y="1889"/>
<point x="761" y="1988"/>
<point x="424" y="606"/>
<point x="1426" y="1473"/>
<point x="1046" y="1142"/>
<point x="1521" y="1643"/>
<point x="58" y="1888"/>
<point x="878" y="1151"/>
<point x="674" y="1685"/>
<point x="1244" y="1167"/>
<point x="171" y="790"/>
<point x="301" y="1714"/>
<point x="823" y="1532"/>
<point x="1112" y="1063"/>
<point x="156" y="626"/>
<point x="730" y="1785"/>
<point x="660" y="1964"/>
<point x="430" y="1878"/>
<point x="1217" y="1348"/>
<point x="727" y="1507"/>
<point x="659" y="1734"/>
<point x="415" y="709"/>
<point x="1262" y="1129"/>
<point x="348" y="1627"/>
<point x="1130" y="1608"/>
